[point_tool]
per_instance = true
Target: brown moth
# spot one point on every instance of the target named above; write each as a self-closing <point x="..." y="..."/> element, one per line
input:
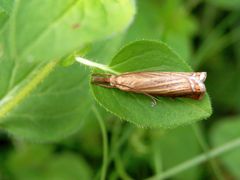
<point x="168" y="84"/>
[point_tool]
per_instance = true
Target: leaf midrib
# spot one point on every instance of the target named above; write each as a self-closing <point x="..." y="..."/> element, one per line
<point x="25" y="89"/>
<point x="12" y="102"/>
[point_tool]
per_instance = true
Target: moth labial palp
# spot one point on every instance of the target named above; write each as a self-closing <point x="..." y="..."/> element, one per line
<point x="167" y="84"/>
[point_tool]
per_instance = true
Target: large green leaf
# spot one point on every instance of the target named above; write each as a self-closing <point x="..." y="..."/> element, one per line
<point x="136" y="108"/>
<point x="53" y="110"/>
<point x="224" y="131"/>
<point x="39" y="100"/>
<point x="46" y="30"/>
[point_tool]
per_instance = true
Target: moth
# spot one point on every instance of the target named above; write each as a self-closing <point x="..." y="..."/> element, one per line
<point x="167" y="84"/>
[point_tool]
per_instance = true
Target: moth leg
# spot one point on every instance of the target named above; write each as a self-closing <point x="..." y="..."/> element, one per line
<point x="154" y="99"/>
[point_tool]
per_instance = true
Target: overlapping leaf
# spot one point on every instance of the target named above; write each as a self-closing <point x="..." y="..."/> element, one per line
<point x="39" y="100"/>
<point x="34" y="35"/>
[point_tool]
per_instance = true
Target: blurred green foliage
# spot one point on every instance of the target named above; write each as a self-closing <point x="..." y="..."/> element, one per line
<point x="205" y="33"/>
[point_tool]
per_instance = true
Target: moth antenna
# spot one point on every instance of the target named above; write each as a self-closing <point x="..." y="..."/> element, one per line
<point x="100" y="79"/>
<point x="101" y="74"/>
<point x="154" y="99"/>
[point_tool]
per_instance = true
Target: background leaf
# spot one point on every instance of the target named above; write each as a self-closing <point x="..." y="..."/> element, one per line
<point x="136" y="108"/>
<point x="52" y="111"/>
<point x="74" y="23"/>
<point x="41" y="101"/>
<point x="225" y="130"/>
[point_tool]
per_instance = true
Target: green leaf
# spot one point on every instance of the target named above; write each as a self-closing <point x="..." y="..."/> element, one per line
<point x="55" y="109"/>
<point x="68" y="25"/>
<point x="136" y="108"/>
<point x="225" y="130"/>
<point x="233" y="4"/>
<point x="39" y="100"/>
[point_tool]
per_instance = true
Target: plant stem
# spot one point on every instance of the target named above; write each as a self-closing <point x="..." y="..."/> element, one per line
<point x="95" y="65"/>
<point x="105" y="142"/>
<point x="157" y="159"/>
<point x="14" y="97"/>
<point x="119" y="143"/>
<point x="197" y="160"/>
<point x="120" y="168"/>
<point x="205" y="148"/>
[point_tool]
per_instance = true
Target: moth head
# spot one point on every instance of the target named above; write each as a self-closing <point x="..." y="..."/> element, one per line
<point x="104" y="80"/>
<point x="100" y="78"/>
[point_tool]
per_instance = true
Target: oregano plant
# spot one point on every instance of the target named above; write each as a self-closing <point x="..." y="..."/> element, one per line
<point x="55" y="123"/>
